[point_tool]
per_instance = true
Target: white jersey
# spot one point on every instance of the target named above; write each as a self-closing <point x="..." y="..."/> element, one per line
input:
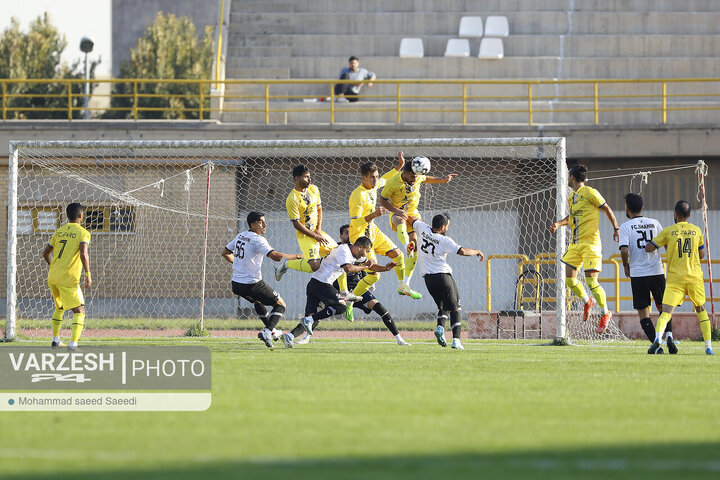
<point x="332" y="265"/>
<point x="635" y="234"/>
<point x="249" y="249"/>
<point x="432" y="250"/>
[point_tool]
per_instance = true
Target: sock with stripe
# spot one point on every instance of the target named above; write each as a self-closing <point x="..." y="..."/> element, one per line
<point x="77" y="326"/>
<point x="662" y="322"/>
<point x="576" y="287"/>
<point x="300" y="265"/>
<point x="400" y="266"/>
<point x="386" y="318"/>
<point x="365" y="283"/>
<point x="275" y="316"/>
<point x="455" y="323"/>
<point x="57" y="318"/>
<point x="705" y="327"/>
<point x="598" y="292"/>
<point x="261" y="312"/>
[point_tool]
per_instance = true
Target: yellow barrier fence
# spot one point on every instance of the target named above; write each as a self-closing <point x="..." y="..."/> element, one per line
<point x="402" y="96"/>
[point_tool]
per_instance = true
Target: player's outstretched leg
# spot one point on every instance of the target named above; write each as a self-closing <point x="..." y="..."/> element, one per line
<point x="706" y="329"/>
<point x="389" y="323"/>
<point x="599" y="293"/>
<point x="576" y="287"/>
<point x="362" y="286"/>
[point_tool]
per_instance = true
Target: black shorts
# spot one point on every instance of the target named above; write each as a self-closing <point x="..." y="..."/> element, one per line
<point x="320" y="292"/>
<point x="256" y="292"/>
<point x="443" y="290"/>
<point x="642" y="287"/>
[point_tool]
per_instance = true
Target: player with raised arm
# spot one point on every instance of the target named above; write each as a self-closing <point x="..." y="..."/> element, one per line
<point x="67" y="253"/>
<point x="363" y="212"/>
<point x="433" y="247"/>
<point x="304" y="209"/>
<point x="585" y="247"/>
<point x="246" y="253"/>
<point x="685" y="247"/>
<point x="320" y="287"/>
<point x="401" y="197"/>
<point x="645" y="270"/>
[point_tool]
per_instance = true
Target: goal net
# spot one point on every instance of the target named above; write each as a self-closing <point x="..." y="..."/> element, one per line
<point x="160" y="213"/>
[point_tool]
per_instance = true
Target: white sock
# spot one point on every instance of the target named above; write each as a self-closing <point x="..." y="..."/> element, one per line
<point x="56" y="339"/>
<point x="306" y="318"/>
<point x="668" y="335"/>
<point x="73" y="344"/>
<point x="406" y="281"/>
<point x="604" y="310"/>
<point x="708" y="343"/>
<point x="585" y="299"/>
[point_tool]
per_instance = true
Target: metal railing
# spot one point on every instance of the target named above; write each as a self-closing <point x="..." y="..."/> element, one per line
<point x="616" y="279"/>
<point x="462" y="101"/>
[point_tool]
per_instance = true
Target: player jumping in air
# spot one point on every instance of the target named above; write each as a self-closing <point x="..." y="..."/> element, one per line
<point x="401" y="197"/>
<point x="644" y="269"/>
<point x="363" y="212"/>
<point x="320" y="287"/>
<point x="685" y="246"/>
<point x="585" y="247"/>
<point x="304" y="209"/>
<point x="67" y="253"/>
<point x="433" y="247"/>
<point x="246" y="253"/>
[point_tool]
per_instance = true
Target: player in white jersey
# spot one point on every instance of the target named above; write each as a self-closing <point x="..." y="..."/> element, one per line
<point x="433" y="247"/>
<point x="645" y="269"/>
<point x="320" y="288"/>
<point x="246" y="253"/>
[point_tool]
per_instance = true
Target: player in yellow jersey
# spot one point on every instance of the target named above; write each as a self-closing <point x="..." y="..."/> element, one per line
<point x="363" y="212"/>
<point x="585" y="247"/>
<point x="401" y="197"/>
<point x="685" y="248"/>
<point x="67" y="255"/>
<point x="304" y="209"/>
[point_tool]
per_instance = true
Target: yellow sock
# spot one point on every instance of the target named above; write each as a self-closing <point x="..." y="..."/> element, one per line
<point x="705" y="326"/>
<point x="576" y="287"/>
<point x="300" y="265"/>
<point x="342" y="282"/>
<point x="400" y="267"/>
<point x="410" y="267"/>
<point x="402" y="234"/>
<point x="77" y="326"/>
<point x="662" y="322"/>
<point x="365" y="284"/>
<point x="597" y="291"/>
<point x="57" y="318"/>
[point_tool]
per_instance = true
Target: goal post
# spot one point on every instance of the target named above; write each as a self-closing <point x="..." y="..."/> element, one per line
<point x="160" y="211"/>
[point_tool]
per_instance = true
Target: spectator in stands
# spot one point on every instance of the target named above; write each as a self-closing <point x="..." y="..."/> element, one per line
<point x="349" y="92"/>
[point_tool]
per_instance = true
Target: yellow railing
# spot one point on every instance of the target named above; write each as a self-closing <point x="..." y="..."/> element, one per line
<point x="461" y="101"/>
<point x="617" y="277"/>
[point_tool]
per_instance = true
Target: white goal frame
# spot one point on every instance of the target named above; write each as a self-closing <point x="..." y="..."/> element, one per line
<point x="556" y="142"/>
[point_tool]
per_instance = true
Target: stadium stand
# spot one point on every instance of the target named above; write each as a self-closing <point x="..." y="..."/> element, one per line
<point x="471" y="27"/>
<point x="491" y="48"/>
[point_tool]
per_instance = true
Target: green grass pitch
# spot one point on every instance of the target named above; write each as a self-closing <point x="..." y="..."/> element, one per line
<point x="356" y="409"/>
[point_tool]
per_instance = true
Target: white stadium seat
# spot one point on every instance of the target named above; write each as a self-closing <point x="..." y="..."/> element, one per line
<point x="491" y="48"/>
<point x="497" y="26"/>
<point x="412" y="48"/>
<point x="457" y="47"/>
<point x="471" y="27"/>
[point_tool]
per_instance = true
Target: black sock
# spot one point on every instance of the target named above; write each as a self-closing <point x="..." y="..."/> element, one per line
<point x="275" y="316"/>
<point x="668" y="329"/>
<point x="386" y="318"/>
<point x="648" y="328"/>
<point x="297" y="330"/>
<point x="441" y="317"/>
<point x="455" y="323"/>
<point x="326" y="312"/>
<point x="262" y="313"/>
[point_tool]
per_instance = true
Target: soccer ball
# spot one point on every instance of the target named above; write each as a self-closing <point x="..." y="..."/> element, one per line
<point x="276" y="334"/>
<point x="420" y="165"/>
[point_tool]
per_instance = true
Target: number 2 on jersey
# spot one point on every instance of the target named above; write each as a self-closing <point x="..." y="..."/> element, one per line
<point x="645" y="237"/>
<point x="683" y="247"/>
<point x="427" y="244"/>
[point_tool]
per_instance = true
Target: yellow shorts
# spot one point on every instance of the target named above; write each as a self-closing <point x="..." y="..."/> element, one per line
<point x="381" y="242"/>
<point x="675" y="293"/>
<point x="578" y="254"/>
<point x="312" y="249"/>
<point x="67" y="298"/>
<point x="411" y="217"/>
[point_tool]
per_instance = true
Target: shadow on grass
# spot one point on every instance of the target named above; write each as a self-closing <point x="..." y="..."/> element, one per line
<point x="649" y="461"/>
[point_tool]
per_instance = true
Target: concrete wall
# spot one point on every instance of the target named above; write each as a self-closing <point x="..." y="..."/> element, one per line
<point x="130" y="18"/>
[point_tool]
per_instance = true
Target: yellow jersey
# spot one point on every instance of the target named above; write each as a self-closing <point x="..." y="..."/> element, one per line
<point x="303" y="206"/>
<point x="585" y="215"/>
<point x="362" y="203"/>
<point x="405" y="196"/>
<point x="683" y="242"/>
<point x="65" y="265"/>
